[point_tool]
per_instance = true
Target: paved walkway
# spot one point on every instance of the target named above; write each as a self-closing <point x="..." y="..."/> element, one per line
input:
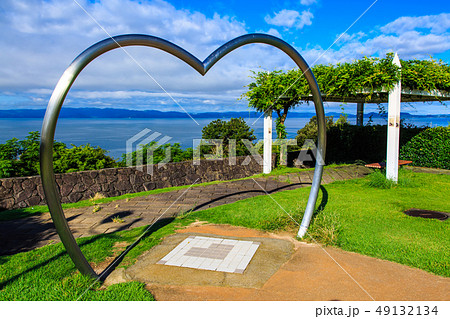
<point x="311" y="272"/>
<point x="36" y="231"/>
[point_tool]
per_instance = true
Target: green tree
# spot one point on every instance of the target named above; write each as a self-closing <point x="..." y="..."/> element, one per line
<point x="81" y="158"/>
<point x="10" y="150"/>
<point x="21" y="157"/>
<point x="180" y="155"/>
<point x="7" y="168"/>
<point x="29" y="155"/>
<point x="9" y="153"/>
<point x="234" y="129"/>
<point x="160" y="153"/>
<point x="275" y="91"/>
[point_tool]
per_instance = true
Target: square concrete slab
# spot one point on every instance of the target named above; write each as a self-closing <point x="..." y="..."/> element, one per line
<point x="212" y="253"/>
<point x="270" y="255"/>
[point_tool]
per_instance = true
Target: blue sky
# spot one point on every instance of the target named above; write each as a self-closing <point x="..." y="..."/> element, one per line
<point x="39" y="39"/>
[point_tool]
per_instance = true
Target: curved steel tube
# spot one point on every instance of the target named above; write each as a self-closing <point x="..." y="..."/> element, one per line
<point x="65" y="82"/>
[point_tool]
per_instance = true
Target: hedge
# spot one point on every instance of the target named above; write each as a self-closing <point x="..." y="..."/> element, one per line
<point x="430" y="148"/>
<point x="349" y="143"/>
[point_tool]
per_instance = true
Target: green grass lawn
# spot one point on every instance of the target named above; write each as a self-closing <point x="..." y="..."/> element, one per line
<point x="47" y="273"/>
<point x="352" y="215"/>
<point x="356" y="216"/>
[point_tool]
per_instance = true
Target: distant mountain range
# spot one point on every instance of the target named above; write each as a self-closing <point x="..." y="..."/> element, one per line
<point x="125" y="113"/>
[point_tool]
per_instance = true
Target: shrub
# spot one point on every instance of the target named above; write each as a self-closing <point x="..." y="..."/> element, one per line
<point x="82" y="158"/>
<point x="234" y="129"/>
<point x="309" y="131"/>
<point x="406" y="178"/>
<point x="6" y="168"/>
<point x="378" y="179"/>
<point x="160" y="153"/>
<point x="430" y="148"/>
<point x="21" y="157"/>
<point x="350" y="143"/>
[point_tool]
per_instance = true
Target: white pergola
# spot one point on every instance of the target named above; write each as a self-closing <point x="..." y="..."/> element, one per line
<point x="394" y="98"/>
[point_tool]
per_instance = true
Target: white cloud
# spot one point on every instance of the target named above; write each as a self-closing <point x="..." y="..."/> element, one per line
<point x="120" y="95"/>
<point x="307" y="2"/>
<point x="436" y="23"/>
<point x="284" y="18"/>
<point x="274" y="32"/>
<point x="40" y="91"/>
<point x="38" y="99"/>
<point x="305" y="19"/>
<point x="404" y="35"/>
<point x="41" y="37"/>
<point x="345" y="37"/>
<point x="411" y="44"/>
<point x="290" y="18"/>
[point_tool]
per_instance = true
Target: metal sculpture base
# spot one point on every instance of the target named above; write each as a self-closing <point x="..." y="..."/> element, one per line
<point x="71" y="73"/>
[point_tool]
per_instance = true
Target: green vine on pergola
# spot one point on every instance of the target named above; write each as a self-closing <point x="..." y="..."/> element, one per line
<point x="374" y="75"/>
<point x="365" y="80"/>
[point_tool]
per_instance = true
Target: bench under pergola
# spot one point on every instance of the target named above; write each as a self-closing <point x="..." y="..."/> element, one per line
<point x="393" y="98"/>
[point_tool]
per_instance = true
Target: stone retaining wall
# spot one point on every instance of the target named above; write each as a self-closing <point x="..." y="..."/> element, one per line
<point x="20" y="192"/>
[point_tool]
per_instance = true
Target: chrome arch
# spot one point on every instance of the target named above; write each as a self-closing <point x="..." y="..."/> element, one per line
<point x="67" y="79"/>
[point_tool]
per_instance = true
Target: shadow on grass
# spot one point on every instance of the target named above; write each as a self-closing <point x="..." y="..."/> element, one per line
<point x="323" y="203"/>
<point x="14" y="214"/>
<point x="324" y="200"/>
<point x="212" y="201"/>
<point x="161" y="223"/>
<point x="151" y="229"/>
<point x="46" y="262"/>
<point x="25" y="234"/>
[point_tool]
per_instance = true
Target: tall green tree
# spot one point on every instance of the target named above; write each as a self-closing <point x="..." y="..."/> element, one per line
<point x="275" y="91"/>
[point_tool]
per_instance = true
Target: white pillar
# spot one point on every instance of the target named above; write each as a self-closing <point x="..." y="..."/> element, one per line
<point x="267" y="167"/>
<point x="393" y="133"/>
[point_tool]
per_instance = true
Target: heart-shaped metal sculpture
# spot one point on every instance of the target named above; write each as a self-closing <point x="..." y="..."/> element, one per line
<point x="71" y="73"/>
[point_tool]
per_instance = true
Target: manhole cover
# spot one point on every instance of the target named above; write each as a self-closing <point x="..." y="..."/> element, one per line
<point x="426" y="214"/>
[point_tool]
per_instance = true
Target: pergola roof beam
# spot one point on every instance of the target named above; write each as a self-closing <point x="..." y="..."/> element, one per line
<point x="408" y="95"/>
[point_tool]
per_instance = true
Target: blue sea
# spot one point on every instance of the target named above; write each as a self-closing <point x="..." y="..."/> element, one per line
<point x="112" y="134"/>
